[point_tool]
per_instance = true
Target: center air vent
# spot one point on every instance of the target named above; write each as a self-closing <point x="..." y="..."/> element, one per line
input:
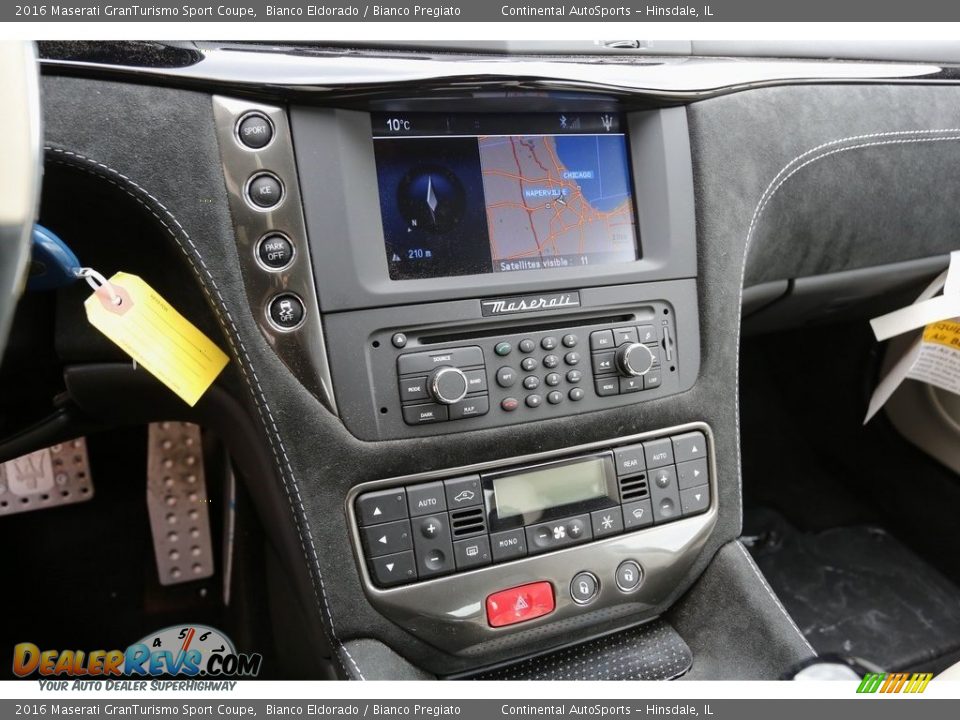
<point x="634" y="488"/>
<point x="467" y="522"/>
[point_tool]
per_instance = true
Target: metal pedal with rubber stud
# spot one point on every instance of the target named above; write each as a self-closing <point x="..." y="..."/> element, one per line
<point x="177" y="503"/>
<point x="55" y="476"/>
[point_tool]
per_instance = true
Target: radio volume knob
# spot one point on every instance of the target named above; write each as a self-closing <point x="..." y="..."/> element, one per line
<point x="448" y="385"/>
<point x="634" y="359"/>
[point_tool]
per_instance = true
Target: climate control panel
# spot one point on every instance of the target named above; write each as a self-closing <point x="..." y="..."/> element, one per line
<point x="426" y="530"/>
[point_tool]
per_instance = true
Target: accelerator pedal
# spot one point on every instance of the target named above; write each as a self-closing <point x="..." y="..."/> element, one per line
<point x="177" y="503"/>
<point x="55" y="476"/>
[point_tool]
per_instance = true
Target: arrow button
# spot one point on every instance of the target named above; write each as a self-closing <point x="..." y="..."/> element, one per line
<point x="692" y="473"/>
<point x="395" y="569"/>
<point x="695" y="500"/>
<point x="387" y="538"/>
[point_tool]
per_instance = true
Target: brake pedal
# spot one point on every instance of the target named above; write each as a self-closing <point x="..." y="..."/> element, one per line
<point x="177" y="503"/>
<point x="55" y="476"/>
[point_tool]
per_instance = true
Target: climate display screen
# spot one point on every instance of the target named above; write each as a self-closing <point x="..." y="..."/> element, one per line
<point x="481" y="193"/>
<point x="557" y="485"/>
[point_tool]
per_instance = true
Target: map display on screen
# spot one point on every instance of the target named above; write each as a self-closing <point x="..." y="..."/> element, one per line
<point x="499" y="200"/>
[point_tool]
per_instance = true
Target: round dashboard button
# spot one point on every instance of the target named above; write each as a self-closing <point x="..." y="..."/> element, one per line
<point x="569" y="341"/>
<point x="555" y="398"/>
<point x="552" y="379"/>
<point x="629" y="575"/>
<point x="509" y="404"/>
<point x="399" y="340"/>
<point x="527" y="345"/>
<point x="286" y="311"/>
<point x="584" y="587"/>
<point x="506" y="377"/>
<point x="265" y="190"/>
<point x="534" y="401"/>
<point x="548" y="343"/>
<point x="503" y="348"/>
<point x="255" y="131"/>
<point x="528" y="363"/>
<point x="275" y="251"/>
<point x="531" y="382"/>
<point x="575" y="394"/>
<point x="551" y="361"/>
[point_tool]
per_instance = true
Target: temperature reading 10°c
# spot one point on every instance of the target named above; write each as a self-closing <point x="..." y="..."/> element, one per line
<point x="398" y="125"/>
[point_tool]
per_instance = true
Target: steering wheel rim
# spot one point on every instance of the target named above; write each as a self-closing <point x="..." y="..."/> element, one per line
<point x="20" y="173"/>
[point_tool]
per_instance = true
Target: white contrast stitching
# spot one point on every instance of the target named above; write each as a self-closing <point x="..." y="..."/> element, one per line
<point x="773" y="595"/>
<point x="778" y="181"/>
<point x="236" y="343"/>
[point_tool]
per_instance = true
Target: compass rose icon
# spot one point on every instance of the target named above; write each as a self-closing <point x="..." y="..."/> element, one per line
<point x="431" y="198"/>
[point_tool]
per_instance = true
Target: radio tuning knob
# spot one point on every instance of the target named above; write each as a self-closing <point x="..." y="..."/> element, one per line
<point x="634" y="359"/>
<point x="448" y="385"/>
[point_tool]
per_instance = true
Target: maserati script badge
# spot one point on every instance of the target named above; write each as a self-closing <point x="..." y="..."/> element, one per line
<point x="529" y="303"/>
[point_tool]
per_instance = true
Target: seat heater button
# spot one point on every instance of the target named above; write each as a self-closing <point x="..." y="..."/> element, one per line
<point x="520" y="604"/>
<point x="426" y="499"/>
<point x="629" y="576"/>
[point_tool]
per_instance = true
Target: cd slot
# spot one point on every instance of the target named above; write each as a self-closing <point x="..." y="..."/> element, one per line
<point x="641" y="315"/>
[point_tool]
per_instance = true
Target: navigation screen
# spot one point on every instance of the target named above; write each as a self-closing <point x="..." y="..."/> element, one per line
<point x="470" y="194"/>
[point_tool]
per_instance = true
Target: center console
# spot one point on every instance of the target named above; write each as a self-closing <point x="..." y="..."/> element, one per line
<point x="469" y="267"/>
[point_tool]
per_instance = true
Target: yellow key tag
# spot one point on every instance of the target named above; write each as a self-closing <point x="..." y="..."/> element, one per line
<point x="159" y="338"/>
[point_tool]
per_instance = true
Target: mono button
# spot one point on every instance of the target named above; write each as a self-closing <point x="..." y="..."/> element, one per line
<point x="265" y="190"/>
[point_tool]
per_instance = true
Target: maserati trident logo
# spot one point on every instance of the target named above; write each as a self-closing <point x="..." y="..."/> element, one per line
<point x="529" y="303"/>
